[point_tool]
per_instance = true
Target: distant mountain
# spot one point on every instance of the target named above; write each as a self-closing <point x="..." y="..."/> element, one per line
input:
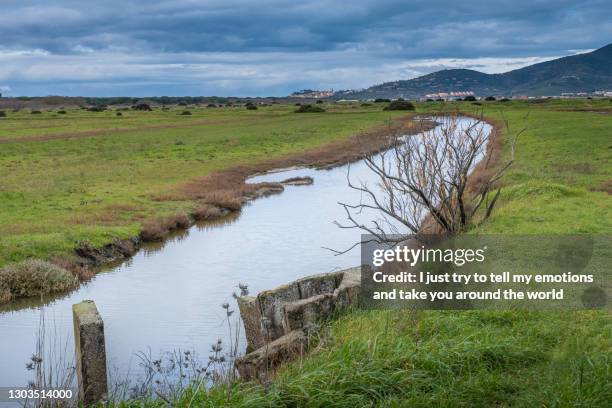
<point x="577" y="73"/>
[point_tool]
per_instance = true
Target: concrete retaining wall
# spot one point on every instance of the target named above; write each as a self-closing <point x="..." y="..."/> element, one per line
<point x="276" y="321"/>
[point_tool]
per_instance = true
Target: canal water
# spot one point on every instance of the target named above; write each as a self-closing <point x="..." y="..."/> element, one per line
<point x="169" y="296"/>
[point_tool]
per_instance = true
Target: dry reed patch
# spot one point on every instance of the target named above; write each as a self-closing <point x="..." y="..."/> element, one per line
<point x="487" y="167"/>
<point x="228" y="186"/>
<point x="207" y="212"/>
<point x="229" y="199"/>
<point x="157" y="229"/>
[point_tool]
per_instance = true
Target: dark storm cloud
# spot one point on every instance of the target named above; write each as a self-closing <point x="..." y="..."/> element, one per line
<point x="185" y="34"/>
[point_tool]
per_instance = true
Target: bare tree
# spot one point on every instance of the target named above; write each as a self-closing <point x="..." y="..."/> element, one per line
<point x="424" y="179"/>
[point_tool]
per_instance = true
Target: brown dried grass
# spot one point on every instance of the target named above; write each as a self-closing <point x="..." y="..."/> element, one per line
<point x="227" y="188"/>
<point x="158" y="229"/>
<point x="206" y="212"/>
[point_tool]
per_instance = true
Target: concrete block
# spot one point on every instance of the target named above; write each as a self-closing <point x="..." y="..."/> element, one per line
<point x="90" y="353"/>
<point x="319" y="284"/>
<point x="304" y="313"/>
<point x="271" y="305"/>
<point x="251" y="318"/>
<point x="260" y="364"/>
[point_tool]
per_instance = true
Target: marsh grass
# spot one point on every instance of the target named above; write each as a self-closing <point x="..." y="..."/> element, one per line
<point x="158" y="229"/>
<point x="34" y="278"/>
<point x="96" y="176"/>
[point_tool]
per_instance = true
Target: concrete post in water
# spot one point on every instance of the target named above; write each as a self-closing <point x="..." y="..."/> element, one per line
<point x="90" y="352"/>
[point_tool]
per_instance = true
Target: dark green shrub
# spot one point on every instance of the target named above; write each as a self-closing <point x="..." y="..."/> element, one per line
<point x="2" y="114"/>
<point x="97" y="108"/>
<point x="35" y="112"/>
<point x="119" y="114"/>
<point x="142" y="107"/>
<point x="490" y="98"/>
<point x="61" y="112"/>
<point x="400" y="105"/>
<point x="185" y="113"/>
<point x="469" y="98"/>
<point x="251" y="106"/>
<point x="381" y="100"/>
<point x="309" y="109"/>
<point x="319" y="101"/>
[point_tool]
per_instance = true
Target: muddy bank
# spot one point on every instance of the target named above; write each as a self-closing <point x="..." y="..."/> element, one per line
<point x="225" y="192"/>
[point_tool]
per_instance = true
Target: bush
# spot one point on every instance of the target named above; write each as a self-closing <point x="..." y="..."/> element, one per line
<point x="319" y="101"/>
<point x="185" y="113"/>
<point x="469" y="98"/>
<point x="490" y="98"/>
<point x="381" y="100"/>
<point x="251" y="106"/>
<point x="211" y="105"/>
<point x="97" y="108"/>
<point x="504" y="100"/>
<point x="119" y="114"/>
<point x="142" y="107"/>
<point x="400" y="105"/>
<point x="61" y="112"/>
<point x="2" y="114"/>
<point x="36" y="112"/>
<point x="309" y="109"/>
<point x="34" y="278"/>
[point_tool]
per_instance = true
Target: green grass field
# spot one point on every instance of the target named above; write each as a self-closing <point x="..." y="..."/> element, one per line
<point x="92" y="176"/>
<point x="476" y="359"/>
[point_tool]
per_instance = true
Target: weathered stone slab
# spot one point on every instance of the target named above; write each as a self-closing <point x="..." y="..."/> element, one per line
<point x="304" y="313"/>
<point x="349" y="289"/>
<point x="295" y="307"/>
<point x="261" y="363"/>
<point x="318" y="284"/>
<point x="90" y="352"/>
<point x="251" y="318"/>
<point x="271" y="305"/>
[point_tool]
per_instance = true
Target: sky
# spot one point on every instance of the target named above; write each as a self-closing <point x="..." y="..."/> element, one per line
<point x="275" y="47"/>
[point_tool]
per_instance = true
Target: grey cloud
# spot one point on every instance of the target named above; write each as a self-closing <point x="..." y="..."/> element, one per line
<point x="152" y="45"/>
